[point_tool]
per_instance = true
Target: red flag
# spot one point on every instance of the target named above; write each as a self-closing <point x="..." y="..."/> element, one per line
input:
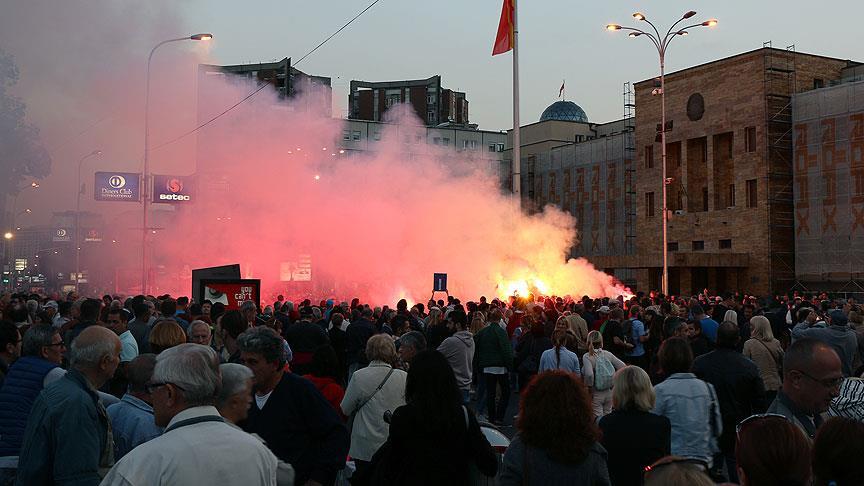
<point x="561" y="91"/>
<point x="504" y="39"/>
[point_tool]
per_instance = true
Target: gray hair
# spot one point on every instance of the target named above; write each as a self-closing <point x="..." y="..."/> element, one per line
<point x="234" y="379"/>
<point x="198" y="322"/>
<point x="91" y="353"/>
<point x="264" y="341"/>
<point x="248" y="305"/>
<point x="35" y="338"/>
<point x="415" y="339"/>
<point x="192" y="367"/>
<point x="316" y="313"/>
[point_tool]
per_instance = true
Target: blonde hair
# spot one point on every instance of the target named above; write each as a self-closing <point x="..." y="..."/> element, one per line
<point x="478" y="323"/>
<point x="731" y="316"/>
<point x="380" y="347"/>
<point x="675" y="471"/>
<point x="166" y="334"/>
<point x="761" y="328"/>
<point x="595" y="343"/>
<point x="632" y="390"/>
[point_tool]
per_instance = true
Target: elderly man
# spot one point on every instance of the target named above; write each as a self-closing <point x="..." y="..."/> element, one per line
<point x="812" y="374"/>
<point x="290" y="414"/>
<point x="838" y="335"/>
<point x="132" y="420"/>
<point x="68" y="436"/>
<point x="185" y="383"/>
<point x="199" y="333"/>
<point x="10" y="347"/>
<point x="410" y="344"/>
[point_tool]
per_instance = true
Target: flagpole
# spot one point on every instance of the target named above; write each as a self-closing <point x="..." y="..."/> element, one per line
<point x="517" y="145"/>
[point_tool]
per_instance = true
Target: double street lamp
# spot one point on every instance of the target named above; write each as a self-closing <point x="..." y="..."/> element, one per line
<point x="144" y="192"/>
<point x="662" y="44"/>
<point x="94" y="153"/>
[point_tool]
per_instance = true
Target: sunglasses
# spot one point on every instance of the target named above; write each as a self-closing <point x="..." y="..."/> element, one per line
<point x="648" y="470"/>
<point x="757" y="417"/>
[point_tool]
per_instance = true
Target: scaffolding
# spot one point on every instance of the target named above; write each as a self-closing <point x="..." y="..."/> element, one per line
<point x="779" y="86"/>
<point x="629" y="169"/>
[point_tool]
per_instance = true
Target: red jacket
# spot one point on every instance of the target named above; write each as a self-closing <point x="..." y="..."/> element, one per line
<point x="332" y="391"/>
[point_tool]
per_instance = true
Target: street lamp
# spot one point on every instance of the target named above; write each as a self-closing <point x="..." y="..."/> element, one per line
<point x="662" y="44"/>
<point x="144" y="193"/>
<point x="94" y="153"/>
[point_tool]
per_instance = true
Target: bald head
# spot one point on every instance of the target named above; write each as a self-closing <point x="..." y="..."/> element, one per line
<point x="807" y="353"/>
<point x="92" y="347"/>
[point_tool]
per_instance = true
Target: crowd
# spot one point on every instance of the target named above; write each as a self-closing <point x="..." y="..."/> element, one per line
<point x="644" y="390"/>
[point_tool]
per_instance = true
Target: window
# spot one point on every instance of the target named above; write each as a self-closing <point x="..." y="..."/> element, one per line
<point x="493" y="147"/>
<point x="469" y="144"/>
<point x="346" y="135"/>
<point x="445" y="142"/>
<point x="436" y="141"/>
<point x="500" y="147"/>
<point x="750" y="139"/>
<point x="580" y="138"/>
<point x="376" y="136"/>
<point x="751" y="193"/>
<point x="649" y="156"/>
<point x="730" y="197"/>
<point x="430" y="99"/>
<point x="818" y="83"/>
<point x="725" y="244"/>
<point x="672" y="246"/>
<point x="704" y="199"/>
<point x="698" y="245"/>
<point x="355" y="135"/>
<point x="430" y="117"/>
<point x="649" y="204"/>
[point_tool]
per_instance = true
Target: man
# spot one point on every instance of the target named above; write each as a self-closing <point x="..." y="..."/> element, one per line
<point x="739" y="387"/>
<point x="838" y="335"/>
<point x="88" y="315"/>
<point x="495" y="360"/>
<point x="409" y="345"/>
<point x="10" y="347"/>
<point x="304" y="338"/>
<point x="638" y="336"/>
<point x="812" y="374"/>
<point x="613" y="335"/>
<point x="118" y="322"/>
<point x="168" y="308"/>
<point x="199" y="333"/>
<point x="357" y="334"/>
<point x="42" y="352"/>
<point x="183" y="389"/>
<point x="290" y="414"/>
<point x="459" y="351"/>
<point x="579" y="326"/>
<point x="140" y="326"/>
<point x="709" y="326"/>
<point x="132" y="420"/>
<point x="249" y="311"/>
<point x="63" y="315"/>
<point x="68" y="436"/>
<point x="233" y="325"/>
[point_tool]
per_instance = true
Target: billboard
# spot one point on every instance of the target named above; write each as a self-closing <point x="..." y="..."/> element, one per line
<point x="117" y="186"/>
<point x="93" y="235"/>
<point x="231" y="293"/>
<point x="61" y="234"/>
<point x="172" y="189"/>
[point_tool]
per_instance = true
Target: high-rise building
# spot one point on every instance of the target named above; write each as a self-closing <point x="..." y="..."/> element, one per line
<point x="432" y="103"/>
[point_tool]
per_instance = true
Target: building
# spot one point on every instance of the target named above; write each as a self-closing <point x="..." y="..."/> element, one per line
<point x="829" y="185"/>
<point x="431" y="102"/>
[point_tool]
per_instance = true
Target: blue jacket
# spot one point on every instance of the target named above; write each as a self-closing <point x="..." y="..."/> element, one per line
<point x="692" y="408"/>
<point x="66" y="440"/>
<point x="19" y="391"/>
<point x="132" y="424"/>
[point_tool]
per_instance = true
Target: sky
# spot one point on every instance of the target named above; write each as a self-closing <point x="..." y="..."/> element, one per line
<point x="81" y="61"/>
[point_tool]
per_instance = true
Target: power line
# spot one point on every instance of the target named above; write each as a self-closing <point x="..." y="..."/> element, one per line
<point x="265" y="84"/>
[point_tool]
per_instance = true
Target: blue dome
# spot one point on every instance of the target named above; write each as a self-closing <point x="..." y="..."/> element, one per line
<point x="564" y="111"/>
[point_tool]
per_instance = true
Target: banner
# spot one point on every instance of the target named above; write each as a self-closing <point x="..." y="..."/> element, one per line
<point x="93" y="235"/>
<point x="117" y="186"/>
<point x="231" y="293"/>
<point x="61" y="234"/>
<point x="171" y="189"/>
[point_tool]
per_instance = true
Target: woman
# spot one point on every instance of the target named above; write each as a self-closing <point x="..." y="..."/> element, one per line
<point x="433" y="439"/>
<point x="559" y="357"/>
<point x="324" y="374"/>
<point x="689" y="403"/>
<point x="557" y="440"/>
<point x="530" y="348"/>
<point x="563" y="324"/>
<point x="765" y="351"/>
<point x="770" y="451"/>
<point x="166" y="334"/>
<point x="598" y="368"/>
<point x="676" y="471"/>
<point x="837" y="452"/>
<point x="371" y="392"/>
<point x="633" y="436"/>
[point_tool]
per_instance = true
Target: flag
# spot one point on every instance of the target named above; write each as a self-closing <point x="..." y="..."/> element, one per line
<point x="506" y="35"/>
<point x="561" y="91"/>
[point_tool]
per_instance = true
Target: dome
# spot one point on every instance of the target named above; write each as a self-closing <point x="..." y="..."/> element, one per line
<point x="564" y="111"/>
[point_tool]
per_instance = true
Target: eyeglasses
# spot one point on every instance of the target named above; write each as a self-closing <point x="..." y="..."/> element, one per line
<point x="61" y="344"/>
<point x="755" y="417"/>
<point x="825" y="382"/>
<point x="150" y="387"/>
<point x="646" y="472"/>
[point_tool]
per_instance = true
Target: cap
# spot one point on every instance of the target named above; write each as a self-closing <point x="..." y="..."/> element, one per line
<point x="603" y="309"/>
<point x="51" y="304"/>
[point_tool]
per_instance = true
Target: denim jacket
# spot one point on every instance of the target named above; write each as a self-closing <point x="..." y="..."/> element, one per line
<point x="689" y="403"/>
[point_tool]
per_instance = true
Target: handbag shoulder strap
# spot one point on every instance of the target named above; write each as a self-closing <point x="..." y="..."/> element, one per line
<point x="380" y="386"/>
<point x="775" y="358"/>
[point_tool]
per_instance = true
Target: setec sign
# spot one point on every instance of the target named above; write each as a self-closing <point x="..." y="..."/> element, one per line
<point x="171" y="189"/>
<point x="117" y="186"/>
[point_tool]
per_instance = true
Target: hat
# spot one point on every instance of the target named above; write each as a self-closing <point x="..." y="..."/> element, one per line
<point x="603" y="309"/>
<point x="838" y="318"/>
<point x="51" y="304"/>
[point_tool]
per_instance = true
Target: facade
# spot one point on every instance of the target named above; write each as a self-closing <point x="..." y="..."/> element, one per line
<point x="431" y="102"/>
<point x="829" y="186"/>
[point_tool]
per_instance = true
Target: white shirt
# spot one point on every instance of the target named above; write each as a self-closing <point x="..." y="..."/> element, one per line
<point x="261" y="400"/>
<point x="201" y="453"/>
<point x="129" y="349"/>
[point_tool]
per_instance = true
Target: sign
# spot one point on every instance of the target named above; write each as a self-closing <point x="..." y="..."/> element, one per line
<point x="93" y="235"/>
<point x="20" y="264"/>
<point x="231" y="293"/>
<point x="303" y="272"/>
<point x="171" y="189"/>
<point x="62" y="234"/>
<point x="439" y="282"/>
<point x="117" y="186"/>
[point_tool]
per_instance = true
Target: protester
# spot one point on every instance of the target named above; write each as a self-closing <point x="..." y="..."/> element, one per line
<point x="357" y="335"/>
<point x="68" y="437"/>
<point x="766" y="352"/>
<point x="837" y="452"/>
<point x="838" y="335"/>
<point x="232" y="325"/>
<point x="458" y="349"/>
<point x="529" y="349"/>
<point x="199" y="333"/>
<point x="677" y="471"/>
<point x="292" y="417"/>
<point x="632" y="435"/>
<point x="372" y="391"/>
<point x="560" y="450"/>
<point x="185" y="383"/>
<point x="598" y="368"/>
<point x="495" y="360"/>
<point x="689" y="403"/>
<point x="770" y="451"/>
<point x="132" y="421"/>
<point x="304" y="337"/>
<point x="10" y="347"/>
<point x="337" y="333"/>
<point x="324" y="373"/>
<point x="559" y="357"/>
<point x="812" y="374"/>
<point x="433" y="439"/>
<point x="410" y="344"/>
<point x="141" y="326"/>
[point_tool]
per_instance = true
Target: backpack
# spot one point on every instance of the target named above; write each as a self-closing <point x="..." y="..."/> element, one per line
<point x="603" y="371"/>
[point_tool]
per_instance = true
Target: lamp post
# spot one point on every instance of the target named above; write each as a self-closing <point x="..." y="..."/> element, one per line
<point x="78" y="218"/>
<point x="144" y="192"/>
<point x="662" y="44"/>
